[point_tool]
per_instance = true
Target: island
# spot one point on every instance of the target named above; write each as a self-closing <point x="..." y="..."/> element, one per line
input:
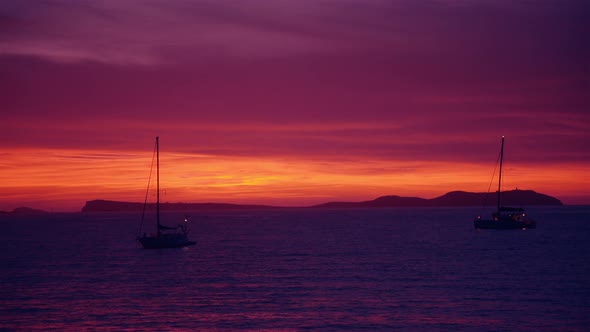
<point x="454" y="199"/>
<point x="451" y="199"/>
<point x="25" y="211"/>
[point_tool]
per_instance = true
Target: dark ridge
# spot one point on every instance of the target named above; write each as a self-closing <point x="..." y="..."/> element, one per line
<point x="384" y="201"/>
<point x="512" y="197"/>
<point x="114" y="206"/>
<point x="454" y="198"/>
<point x="451" y="199"/>
<point x="25" y="210"/>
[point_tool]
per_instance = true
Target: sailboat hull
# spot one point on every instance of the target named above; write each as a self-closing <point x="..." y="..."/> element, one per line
<point x="166" y="241"/>
<point x="167" y="237"/>
<point x="505" y="217"/>
<point x="503" y="224"/>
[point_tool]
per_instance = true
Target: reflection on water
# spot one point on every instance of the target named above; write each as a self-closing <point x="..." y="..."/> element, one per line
<point x="384" y="269"/>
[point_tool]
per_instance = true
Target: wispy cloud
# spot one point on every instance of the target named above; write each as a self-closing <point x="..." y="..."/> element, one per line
<point x="152" y="32"/>
<point x="340" y="92"/>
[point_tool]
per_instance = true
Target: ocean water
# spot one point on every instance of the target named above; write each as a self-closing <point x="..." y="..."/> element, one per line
<point x="404" y="269"/>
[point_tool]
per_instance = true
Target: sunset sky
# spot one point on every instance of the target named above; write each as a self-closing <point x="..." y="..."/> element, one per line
<point x="291" y="102"/>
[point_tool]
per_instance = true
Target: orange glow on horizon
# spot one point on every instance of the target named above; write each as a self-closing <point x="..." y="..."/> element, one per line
<point x="62" y="180"/>
<point x="284" y="105"/>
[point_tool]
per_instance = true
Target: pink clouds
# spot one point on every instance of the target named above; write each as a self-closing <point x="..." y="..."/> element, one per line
<point x="160" y="32"/>
<point x="406" y="82"/>
<point x="163" y="32"/>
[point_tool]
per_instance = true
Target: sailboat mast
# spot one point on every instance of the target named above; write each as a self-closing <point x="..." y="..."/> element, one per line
<point x="500" y="176"/>
<point x="158" y="182"/>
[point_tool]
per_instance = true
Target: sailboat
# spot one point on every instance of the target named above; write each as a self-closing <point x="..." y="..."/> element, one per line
<point x="166" y="236"/>
<point x="505" y="217"/>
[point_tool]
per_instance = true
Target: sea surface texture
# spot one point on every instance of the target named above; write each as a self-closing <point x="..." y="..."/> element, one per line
<point x="387" y="269"/>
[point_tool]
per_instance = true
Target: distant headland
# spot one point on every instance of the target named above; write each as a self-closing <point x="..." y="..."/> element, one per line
<point x="454" y="199"/>
<point x="25" y="211"/>
<point x="451" y="199"/>
<point x="116" y="206"/>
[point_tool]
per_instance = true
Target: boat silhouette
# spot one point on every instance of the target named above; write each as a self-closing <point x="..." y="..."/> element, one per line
<point x="165" y="236"/>
<point x="505" y="217"/>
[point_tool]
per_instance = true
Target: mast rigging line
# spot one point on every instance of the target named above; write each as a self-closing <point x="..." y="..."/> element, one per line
<point x="147" y="190"/>
<point x="485" y="201"/>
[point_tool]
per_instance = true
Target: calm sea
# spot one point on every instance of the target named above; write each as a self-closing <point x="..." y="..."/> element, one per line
<point x="298" y="270"/>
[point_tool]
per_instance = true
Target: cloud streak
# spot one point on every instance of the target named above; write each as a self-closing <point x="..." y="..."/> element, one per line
<point x="342" y="93"/>
<point x="155" y="32"/>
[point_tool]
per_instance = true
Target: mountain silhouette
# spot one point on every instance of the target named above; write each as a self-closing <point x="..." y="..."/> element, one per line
<point x="454" y="198"/>
<point x="451" y="199"/>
